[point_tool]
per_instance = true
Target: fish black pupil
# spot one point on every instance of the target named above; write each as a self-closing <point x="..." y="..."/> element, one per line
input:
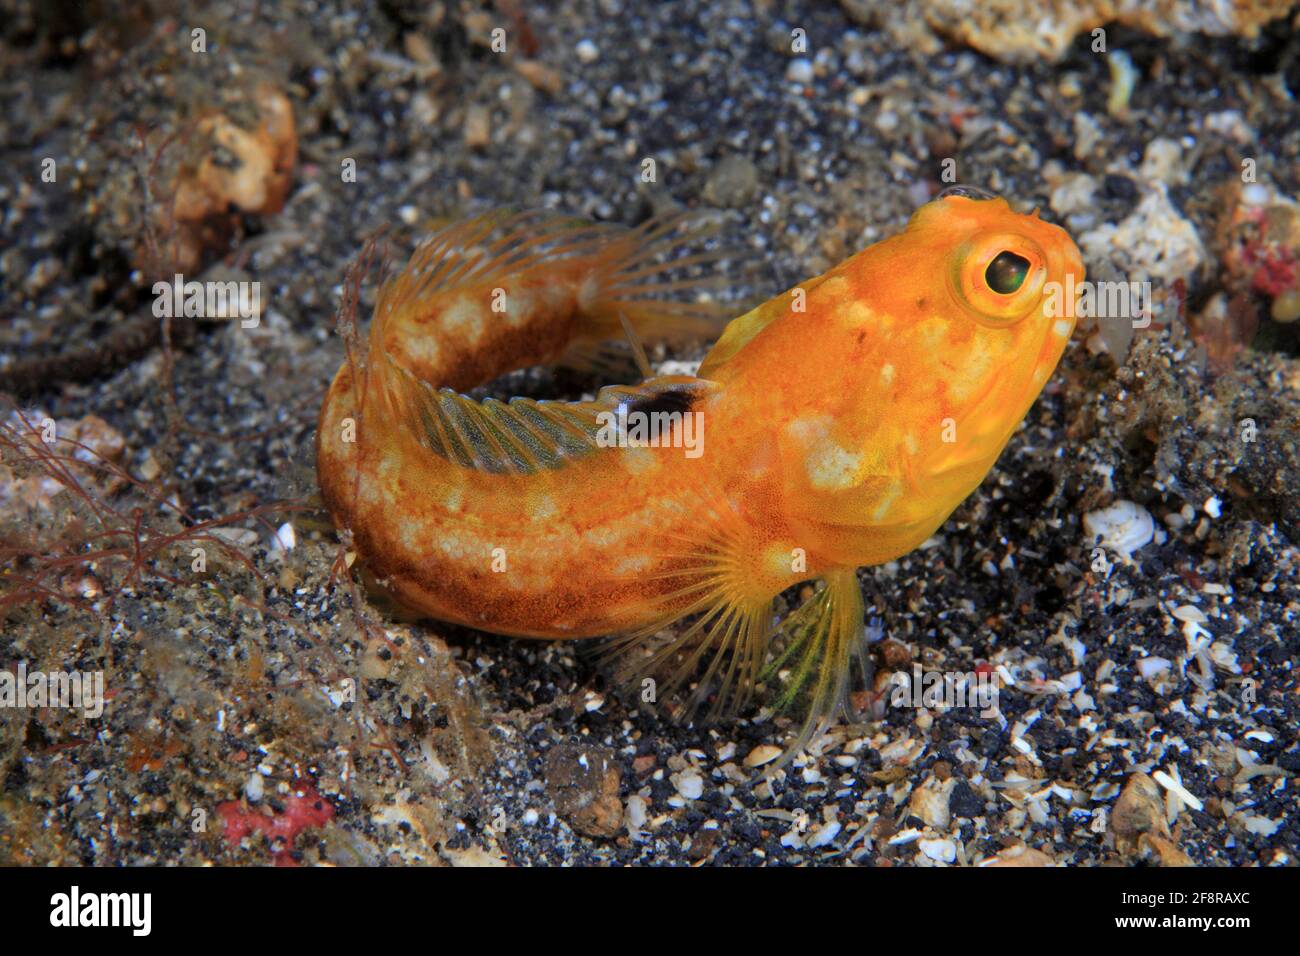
<point x="1006" y="273"/>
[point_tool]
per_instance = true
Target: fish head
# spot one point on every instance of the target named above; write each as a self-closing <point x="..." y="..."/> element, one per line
<point x="996" y="314"/>
<point x="1005" y="278"/>
<point x="934" y="343"/>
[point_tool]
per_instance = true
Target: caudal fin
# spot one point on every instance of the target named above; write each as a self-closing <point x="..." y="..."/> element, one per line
<point x="507" y="290"/>
<point x="656" y="274"/>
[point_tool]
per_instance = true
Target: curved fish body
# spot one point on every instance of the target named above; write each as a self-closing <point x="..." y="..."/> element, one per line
<point x="832" y="427"/>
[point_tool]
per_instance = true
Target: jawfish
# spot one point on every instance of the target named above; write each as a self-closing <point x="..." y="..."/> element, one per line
<point x="833" y="427"/>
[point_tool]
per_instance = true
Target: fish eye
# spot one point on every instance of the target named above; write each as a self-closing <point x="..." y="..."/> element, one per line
<point x="998" y="276"/>
<point x="1006" y="273"/>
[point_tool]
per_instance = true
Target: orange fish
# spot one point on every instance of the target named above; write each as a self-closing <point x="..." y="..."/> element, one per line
<point x="834" y="426"/>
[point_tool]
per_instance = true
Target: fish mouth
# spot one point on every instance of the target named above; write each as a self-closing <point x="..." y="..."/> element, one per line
<point x="1074" y="260"/>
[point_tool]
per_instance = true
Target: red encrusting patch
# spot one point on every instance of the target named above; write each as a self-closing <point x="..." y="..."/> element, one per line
<point x="1271" y="264"/>
<point x="1274" y="268"/>
<point x="303" y="808"/>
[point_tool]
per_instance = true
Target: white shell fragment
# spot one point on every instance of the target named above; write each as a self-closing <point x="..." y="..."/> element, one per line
<point x="941" y="851"/>
<point x="824" y="834"/>
<point x="689" y="784"/>
<point x="1150" y="667"/>
<point x="1262" y="826"/>
<point x="763" y="753"/>
<point x="1189" y="612"/>
<point x="284" y="539"/>
<point x="1173" y="786"/>
<point x="1124" y="527"/>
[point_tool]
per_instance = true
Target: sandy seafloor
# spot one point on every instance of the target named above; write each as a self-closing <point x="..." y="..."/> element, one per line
<point x="469" y="748"/>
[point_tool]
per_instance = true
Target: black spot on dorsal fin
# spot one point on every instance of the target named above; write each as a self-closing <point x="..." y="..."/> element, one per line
<point x="523" y="436"/>
<point x="675" y="398"/>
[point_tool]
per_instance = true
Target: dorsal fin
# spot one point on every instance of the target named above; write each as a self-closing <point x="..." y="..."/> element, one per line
<point x="524" y="436"/>
<point x="488" y="247"/>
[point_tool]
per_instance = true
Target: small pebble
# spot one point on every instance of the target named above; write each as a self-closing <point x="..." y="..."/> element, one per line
<point x="763" y="753"/>
<point x="689" y="784"/>
<point x="800" y="71"/>
<point x="943" y="851"/>
<point x="824" y="834"/>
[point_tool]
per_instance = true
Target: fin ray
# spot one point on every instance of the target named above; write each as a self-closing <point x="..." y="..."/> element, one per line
<point x="826" y="636"/>
<point x="716" y="614"/>
<point x="522" y="436"/>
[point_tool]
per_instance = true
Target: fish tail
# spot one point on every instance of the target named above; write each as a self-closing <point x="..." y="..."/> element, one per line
<point x="509" y="290"/>
<point x="482" y="297"/>
<point x="658" y="280"/>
